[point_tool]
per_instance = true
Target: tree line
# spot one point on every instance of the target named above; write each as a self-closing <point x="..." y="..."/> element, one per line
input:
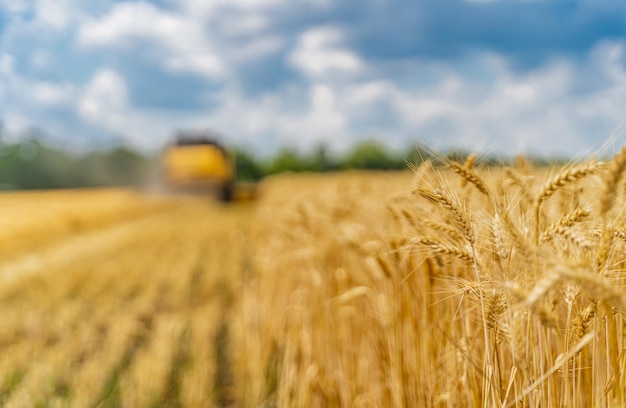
<point x="367" y="155"/>
<point x="31" y="164"/>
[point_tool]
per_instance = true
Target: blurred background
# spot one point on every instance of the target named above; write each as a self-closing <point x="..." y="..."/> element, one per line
<point x="92" y="92"/>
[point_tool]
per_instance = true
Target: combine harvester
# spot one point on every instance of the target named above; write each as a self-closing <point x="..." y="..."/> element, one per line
<point x="196" y="163"/>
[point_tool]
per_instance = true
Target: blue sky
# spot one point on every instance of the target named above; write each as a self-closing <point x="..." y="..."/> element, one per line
<point x="500" y="76"/>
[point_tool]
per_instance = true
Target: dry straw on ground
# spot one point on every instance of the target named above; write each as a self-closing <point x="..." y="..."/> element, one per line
<point x="138" y="322"/>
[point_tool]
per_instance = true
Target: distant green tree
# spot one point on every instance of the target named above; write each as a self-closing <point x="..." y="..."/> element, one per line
<point x="287" y="160"/>
<point x="34" y="165"/>
<point x="30" y="165"/>
<point x="322" y="161"/>
<point x="118" y="166"/>
<point x="247" y="167"/>
<point x="371" y="155"/>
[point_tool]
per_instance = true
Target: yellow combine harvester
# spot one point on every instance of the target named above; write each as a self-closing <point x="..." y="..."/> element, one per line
<point x="196" y="163"/>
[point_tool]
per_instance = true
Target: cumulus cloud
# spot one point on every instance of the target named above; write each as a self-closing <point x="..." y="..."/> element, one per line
<point x="56" y="13"/>
<point x="320" y="52"/>
<point x="51" y="94"/>
<point x="33" y="94"/>
<point x="26" y="103"/>
<point x="105" y="104"/>
<point x="105" y="99"/>
<point x="539" y="111"/>
<point x="321" y="121"/>
<point x="236" y="24"/>
<point x="211" y="8"/>
<point x="181" y="42"/>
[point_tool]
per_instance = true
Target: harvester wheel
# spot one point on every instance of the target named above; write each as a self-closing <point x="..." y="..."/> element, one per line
<point x="227" y="192"/>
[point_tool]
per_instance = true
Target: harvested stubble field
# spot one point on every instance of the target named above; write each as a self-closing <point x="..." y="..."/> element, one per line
<point x="446" y="286"/>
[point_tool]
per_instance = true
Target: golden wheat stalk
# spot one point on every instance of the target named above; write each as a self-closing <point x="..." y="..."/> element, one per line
<point x="617" y="168"/>
<point x="470" y="176"/>
<point x="519" y="239"/>
<point x="438" y="247"/>
<point x="604" y="247"/>
<point x="469" y="163"/>
<point x="499" y="238"/>
<point x="565" y="177"/>
<point x="418" y="224"/>
<point x="566" y="221"/>
<point x="576" y="238"/>
<point x="582" y="322"/>
<point x="450" y="204"/>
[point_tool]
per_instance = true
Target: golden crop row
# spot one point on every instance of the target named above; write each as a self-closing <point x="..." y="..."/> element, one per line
<point x="133" y="324"/>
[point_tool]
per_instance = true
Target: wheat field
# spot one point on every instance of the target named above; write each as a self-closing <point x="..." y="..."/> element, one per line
<point x="449" y="285"/>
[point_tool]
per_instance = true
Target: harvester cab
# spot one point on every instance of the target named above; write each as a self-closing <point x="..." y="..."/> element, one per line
<point x="196" y="163"/>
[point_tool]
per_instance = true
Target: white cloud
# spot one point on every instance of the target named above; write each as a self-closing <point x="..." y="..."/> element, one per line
<point x="240" y="24"/>
<point x="55" y="13"/>
<point x="608" y="56"/>
<point x="14" y="123"/>
<point x="320" y="52"/>
<point x="51" y="94"/>
<point x="104" y="100"/>
<point x="321" y="121"/>
<point x="290" y="117"/>
<point x="131" y="21"/>
<point x="105" y="105"/>
<point x="416" y="109"/>
<point x="369" y="92"/>
<point x="32" y="93"/>
<point x="183" y="44"/>
<point x="27" y="102"/>
<point x="253" y="4"/>
<point x="536" y="111"/>
<point x="204" y="8"/>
